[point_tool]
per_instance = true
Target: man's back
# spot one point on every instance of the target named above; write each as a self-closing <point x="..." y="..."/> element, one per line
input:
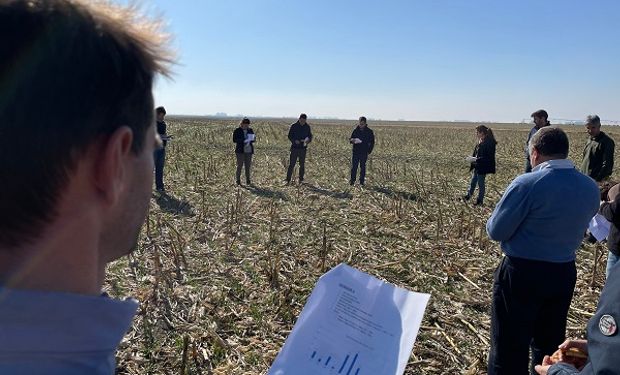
<point x="544" y="214"/>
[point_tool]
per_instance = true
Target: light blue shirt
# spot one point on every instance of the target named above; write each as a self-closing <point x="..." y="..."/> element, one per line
<point x="61" y="333"/>
<point x="543" y="215"/>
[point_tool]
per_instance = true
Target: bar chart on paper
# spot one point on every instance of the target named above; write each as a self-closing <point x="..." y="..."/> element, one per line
<point x="338" y="354"/>
<point x="352" y="324"/>
<point x="337" y="364"/>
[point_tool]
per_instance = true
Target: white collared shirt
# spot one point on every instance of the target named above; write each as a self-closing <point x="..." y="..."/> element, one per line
<point x="555" y="164"/>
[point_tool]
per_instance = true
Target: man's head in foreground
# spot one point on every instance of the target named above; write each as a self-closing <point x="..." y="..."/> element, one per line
<point x="548" y="143"/>
<point x="77" y="123"/>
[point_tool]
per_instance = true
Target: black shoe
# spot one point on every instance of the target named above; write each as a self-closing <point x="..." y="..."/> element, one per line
<point x="239" y="182"/>
<point x="351" y="183"/>
<point x="466" y="197"/>
<point x="248" y="182"/>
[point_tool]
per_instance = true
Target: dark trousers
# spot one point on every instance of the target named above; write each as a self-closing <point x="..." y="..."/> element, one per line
<point x="244" y="159"/>
<point x="359" y="159"/>
<point x="529" y="311"/>
<point x="297" y="154"/>
<point x="160" y="160"/>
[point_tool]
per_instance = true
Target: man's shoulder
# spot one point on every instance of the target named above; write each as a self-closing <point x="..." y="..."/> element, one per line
<point x="606" y="138"/>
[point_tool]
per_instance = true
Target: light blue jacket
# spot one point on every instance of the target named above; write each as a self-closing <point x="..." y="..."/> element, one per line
<point x="543" y="215"/>
<point x="60" y="333"/>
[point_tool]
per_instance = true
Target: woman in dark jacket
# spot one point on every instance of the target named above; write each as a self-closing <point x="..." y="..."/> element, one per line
<point x="244" y="137"/>
<point x="482" y="162"/>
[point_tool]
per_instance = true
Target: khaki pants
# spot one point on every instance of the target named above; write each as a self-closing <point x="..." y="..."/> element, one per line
<point x="244" y="159"/>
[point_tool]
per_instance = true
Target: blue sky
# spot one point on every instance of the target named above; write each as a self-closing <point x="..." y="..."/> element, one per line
<point x="486" y="60"/>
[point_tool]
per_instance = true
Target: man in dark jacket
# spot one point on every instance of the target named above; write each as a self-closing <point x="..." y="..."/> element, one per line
<point x="540" y="118"/>
<point x="300" y="136"/>
<point x="244" y="138"/>
<point x="603" y="341"/>
<point x="160" y="154"/>
<point x="363" y="141"/>
<point x="598" y="155"/>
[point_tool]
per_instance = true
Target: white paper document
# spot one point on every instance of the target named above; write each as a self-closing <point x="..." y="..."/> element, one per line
<point x="599" y="227"/>
<point x="471" y="159"/>
<point x="250" y="138"/>
<point x="352" y="324"/>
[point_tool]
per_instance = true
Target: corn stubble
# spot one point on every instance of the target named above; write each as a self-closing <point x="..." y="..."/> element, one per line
<point x="222" y="272"/>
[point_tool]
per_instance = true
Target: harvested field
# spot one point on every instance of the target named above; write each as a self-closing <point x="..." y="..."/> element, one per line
<point x="223" y="271"/>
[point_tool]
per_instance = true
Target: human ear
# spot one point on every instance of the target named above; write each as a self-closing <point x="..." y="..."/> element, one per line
<point x="112" y="165"/>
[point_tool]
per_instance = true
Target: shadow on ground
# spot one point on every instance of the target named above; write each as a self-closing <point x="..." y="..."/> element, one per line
<point x="394" y="193"/>
<point x="266" y="193"/>
<point x="329" y="193"/>
<point x="171" y="204"/>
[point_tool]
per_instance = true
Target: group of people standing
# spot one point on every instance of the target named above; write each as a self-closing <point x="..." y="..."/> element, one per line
<point x="540" y="223"/>
<point x="80" y="171"/>
<point x="300" y="136"/>
<point x="597" y="161"/>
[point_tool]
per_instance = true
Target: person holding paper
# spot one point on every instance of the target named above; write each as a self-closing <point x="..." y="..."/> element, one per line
<point x="611" y="211"/>
<point x="363" y="141"/>
<point x="540" y="222"/>
<point x="244" y="137"/>
<point x="482" y="162"/>
<point x="300" y="136"/>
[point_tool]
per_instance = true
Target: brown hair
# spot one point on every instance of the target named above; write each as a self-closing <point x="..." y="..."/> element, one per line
<point x="488" y="133"/>
<point x="550" y="141"/>
<point x="540" y="113"/>
<point x="71" y="72"/>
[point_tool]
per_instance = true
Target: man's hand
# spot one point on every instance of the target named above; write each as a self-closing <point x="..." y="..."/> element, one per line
<point x="544" y="367"/>
<point x="582" y="345"/>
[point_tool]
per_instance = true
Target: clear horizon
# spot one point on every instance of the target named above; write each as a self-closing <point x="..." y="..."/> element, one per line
<point x="418" y="60"/>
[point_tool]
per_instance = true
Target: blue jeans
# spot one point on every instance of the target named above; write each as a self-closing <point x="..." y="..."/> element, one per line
<point x="612" y="260"/>
<point x="160" y="159"/>
<point x="478" y="179"/>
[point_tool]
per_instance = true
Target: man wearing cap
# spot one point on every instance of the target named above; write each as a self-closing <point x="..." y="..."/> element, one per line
<point x="300" y="136"/>
<point x="598" y="155"/>
<point x="539" y="222"/>
<point x="603" y="343"/>
<point x="540" y="120"/>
